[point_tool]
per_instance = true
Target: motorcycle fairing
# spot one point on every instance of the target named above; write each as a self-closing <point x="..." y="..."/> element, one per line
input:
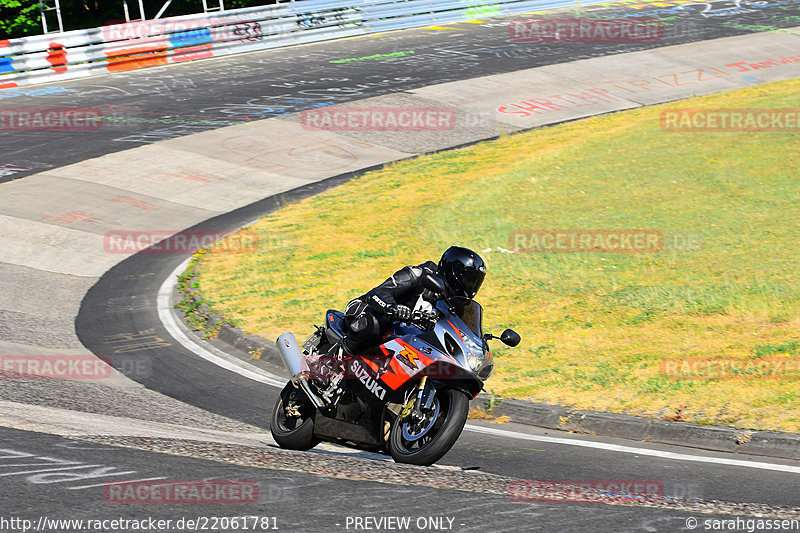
<point x="357" y="418"/>
<point x="438" y="353"/>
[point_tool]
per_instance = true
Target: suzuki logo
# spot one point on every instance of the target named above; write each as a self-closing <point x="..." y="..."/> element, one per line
<point x="368" y="382"/>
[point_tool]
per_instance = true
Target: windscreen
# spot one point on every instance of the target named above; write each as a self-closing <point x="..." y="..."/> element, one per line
<point x="472" y="315"/>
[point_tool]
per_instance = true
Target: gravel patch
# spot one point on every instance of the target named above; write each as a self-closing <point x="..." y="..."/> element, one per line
<point x="341" y="466"/>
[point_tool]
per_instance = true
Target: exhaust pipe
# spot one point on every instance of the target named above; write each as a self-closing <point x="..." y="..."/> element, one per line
<point x="291" y="354"/>
<point x="297" y="366"/>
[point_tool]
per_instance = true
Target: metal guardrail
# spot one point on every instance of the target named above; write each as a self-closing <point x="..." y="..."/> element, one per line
<point x="133" y="45"/>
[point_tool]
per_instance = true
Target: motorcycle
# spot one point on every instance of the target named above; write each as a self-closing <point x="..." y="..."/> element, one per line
<point x="408" y="397"/>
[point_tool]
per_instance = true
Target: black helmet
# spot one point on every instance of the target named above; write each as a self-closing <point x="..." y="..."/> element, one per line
<point x="462" y="271"/>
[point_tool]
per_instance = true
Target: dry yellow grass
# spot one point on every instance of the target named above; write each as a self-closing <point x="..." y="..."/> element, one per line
<point x="595" y="327"/>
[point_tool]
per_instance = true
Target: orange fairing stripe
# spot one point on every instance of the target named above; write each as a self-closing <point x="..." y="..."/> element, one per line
<point x="394" y="375"/>
<point x="371" y="364"/>
<point x="454" y="327"/>
<point x="397" y="374"/>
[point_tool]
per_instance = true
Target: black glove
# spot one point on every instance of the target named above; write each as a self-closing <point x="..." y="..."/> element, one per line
<point x="401" y="313"/>
<point x="431" y="317"/>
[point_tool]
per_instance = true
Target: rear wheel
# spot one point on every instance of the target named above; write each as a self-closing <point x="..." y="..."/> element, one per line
<point x="292" y="422"/>
<point x="424" y="441"/>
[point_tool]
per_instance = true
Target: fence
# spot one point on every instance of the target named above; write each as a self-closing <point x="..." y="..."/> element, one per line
<point x="133" y="45"/>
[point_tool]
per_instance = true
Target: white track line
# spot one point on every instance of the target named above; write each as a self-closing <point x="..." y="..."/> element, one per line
<point x="637" y="451"/>
<point x="167" y="317"/>
<point x="165" y="314"/>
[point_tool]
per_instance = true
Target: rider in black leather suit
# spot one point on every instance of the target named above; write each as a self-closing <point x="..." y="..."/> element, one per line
<point x="369" y="316"/>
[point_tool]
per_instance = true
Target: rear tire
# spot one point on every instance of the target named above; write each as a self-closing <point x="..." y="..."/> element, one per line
<point x="293" y="433"/>
<point x="442" y="431"/>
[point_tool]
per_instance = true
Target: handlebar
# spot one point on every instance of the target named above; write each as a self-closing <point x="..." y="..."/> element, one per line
<point x="424" y="318"/>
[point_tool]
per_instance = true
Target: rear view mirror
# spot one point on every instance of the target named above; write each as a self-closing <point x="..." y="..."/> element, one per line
<point x="510" y="338"/>
<point x="433" y="283"/>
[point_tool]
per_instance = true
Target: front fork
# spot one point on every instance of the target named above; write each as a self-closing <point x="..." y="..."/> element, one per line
<point x="420" y="401"/>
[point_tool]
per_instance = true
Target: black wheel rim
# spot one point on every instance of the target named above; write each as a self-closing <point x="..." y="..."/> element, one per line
<point x="420" y="438"/>
<point x="414" y="430"/>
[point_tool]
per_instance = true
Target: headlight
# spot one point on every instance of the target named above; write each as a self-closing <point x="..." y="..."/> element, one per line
<point x="475" y="355"/>
<point x="474" y="362"/>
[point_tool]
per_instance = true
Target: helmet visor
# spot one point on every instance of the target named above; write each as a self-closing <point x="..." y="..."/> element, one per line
<point x="471" y="280"/>
<point x="463" y="283"/>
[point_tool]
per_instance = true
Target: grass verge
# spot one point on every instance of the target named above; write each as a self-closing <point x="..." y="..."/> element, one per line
<point x="597" y="328"/>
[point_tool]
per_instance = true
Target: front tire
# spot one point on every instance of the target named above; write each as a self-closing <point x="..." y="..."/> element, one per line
<point x="293" y="432"/>
<point x="424" y="443"/>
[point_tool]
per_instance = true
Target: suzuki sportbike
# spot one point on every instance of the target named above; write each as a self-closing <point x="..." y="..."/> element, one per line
<point x="408" y="397"/>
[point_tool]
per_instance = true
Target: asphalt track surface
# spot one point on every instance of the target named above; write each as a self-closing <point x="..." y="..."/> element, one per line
<point x="294" y="501"/>
<point x="217" y="93"/>
<point x="150" y="105"/>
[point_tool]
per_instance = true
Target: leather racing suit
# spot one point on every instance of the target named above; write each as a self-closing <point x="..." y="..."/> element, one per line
<point x="369" y="316"/>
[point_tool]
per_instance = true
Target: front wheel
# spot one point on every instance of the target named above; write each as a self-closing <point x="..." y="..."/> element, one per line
<point x="292" y="422"/>
<point x="425" y="441"/>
